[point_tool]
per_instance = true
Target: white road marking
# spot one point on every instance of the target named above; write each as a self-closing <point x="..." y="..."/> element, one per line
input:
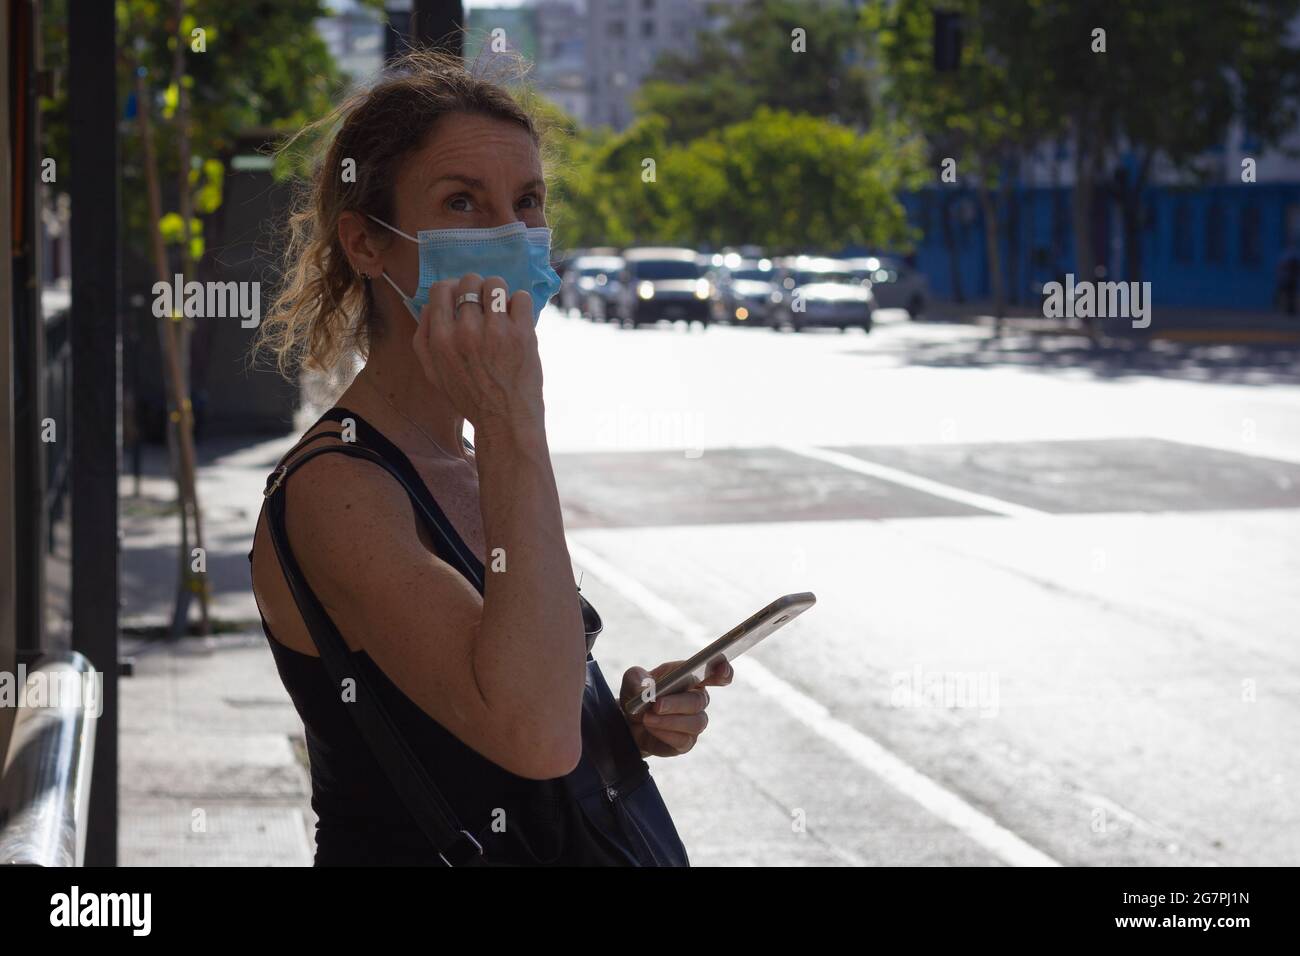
<point x="860" y="748"/>
<point x="909" y="480"/>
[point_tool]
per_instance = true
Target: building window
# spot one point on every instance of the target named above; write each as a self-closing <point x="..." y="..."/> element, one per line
<point x="1249" y="238"/>
<point x="647" y="28"/>
<point x="1216" y="238"/>
<point x="616" y="28"/>
<point x="1182" y="232"/>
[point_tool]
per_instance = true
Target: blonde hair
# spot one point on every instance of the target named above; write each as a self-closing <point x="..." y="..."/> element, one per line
<point x="323" y="313"/>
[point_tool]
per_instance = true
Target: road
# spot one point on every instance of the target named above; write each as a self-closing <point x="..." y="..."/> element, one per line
<point x="1058" y="600"/>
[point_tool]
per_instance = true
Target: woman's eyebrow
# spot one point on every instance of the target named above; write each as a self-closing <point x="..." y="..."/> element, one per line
<point x="475" y="183"/>
<point x="470" y="181"/>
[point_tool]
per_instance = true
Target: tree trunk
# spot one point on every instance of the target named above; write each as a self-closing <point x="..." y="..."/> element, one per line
<point x="179" y="429"/>
<point x="994" y="255"/>
<point x="1085" y="263"/>
<point x="1132" y="211"/>
<point x="183" y="358"/>
<point x="950" y="243"/>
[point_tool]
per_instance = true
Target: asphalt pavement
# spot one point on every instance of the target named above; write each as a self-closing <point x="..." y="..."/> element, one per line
<point x="1057" y="602"/>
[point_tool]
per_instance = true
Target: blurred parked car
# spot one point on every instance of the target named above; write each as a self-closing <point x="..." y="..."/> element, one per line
<point x="742" y="290"/>
<point x="663" y="283"/>
<point x="893" y="283"/>
<point x="588" y="283"/>
<point x="815" y="290"/>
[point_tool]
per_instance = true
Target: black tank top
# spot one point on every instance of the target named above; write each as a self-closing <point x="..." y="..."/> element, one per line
<point x="608" y="811"/>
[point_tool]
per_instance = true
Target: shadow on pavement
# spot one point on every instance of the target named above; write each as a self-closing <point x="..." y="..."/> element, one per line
<point x="1238" y="364"/>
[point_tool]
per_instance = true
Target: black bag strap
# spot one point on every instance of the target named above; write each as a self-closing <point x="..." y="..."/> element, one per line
<point x="455" y="845"/>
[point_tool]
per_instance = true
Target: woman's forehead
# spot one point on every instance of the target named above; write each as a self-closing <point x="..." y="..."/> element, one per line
<point x="483" y="148"/>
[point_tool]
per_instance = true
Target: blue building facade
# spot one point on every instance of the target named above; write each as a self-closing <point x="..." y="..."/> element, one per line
<point x="1212" y="246"/>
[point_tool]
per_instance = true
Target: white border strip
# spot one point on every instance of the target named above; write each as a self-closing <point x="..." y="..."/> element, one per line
<point x="857" y="746"/>
<point x="909" y="480"/>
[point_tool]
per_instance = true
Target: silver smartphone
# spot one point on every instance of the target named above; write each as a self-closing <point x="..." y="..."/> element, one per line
<point x="729" y="646"/>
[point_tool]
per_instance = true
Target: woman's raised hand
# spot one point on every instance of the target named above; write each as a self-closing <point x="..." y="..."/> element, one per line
<point x="484" y="354"/>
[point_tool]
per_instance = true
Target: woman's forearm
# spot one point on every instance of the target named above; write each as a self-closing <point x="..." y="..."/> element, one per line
<point x="528" y="657"/>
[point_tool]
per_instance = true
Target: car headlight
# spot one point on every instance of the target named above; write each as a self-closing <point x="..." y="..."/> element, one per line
<point x="742" y="314"/>
<point x="702" y="289"/>
<point x="646" y="290"/>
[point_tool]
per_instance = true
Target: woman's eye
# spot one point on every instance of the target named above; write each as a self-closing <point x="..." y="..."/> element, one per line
<point x="530" y="201"/>
<point x="461" y="202"/>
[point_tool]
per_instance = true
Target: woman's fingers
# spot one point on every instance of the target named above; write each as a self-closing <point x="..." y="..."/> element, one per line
<point x="496" y="297"/>
<point x="679" y="740"/>
<point x="521" y="308"/>
<point x="636" y="681"/>
<point x="467" y="318"/>
<point x="691" y="701"/>
<point x="693" y="724"/>
<point x="720" y="673"/>
<point x="497" y="325"/>
<point x="673" y="721"/>
<point x="433" y="331"/>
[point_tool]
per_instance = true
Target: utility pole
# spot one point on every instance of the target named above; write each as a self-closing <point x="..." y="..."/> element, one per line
<point x="424" y="24"/>
<point x="96" y="395"/>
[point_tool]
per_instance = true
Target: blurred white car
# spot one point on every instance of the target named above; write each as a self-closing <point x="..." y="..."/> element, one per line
<point x="589" y="283"/>
<point x="815" y="290"/>
<point x="894" y="284"/>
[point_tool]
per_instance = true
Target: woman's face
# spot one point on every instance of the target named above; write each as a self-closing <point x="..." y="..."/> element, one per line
<point x="473" y="172"/>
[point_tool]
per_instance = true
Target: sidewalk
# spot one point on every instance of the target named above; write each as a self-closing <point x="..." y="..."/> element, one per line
<point x="1168" y="323"/>
<point x="212" y="761"/>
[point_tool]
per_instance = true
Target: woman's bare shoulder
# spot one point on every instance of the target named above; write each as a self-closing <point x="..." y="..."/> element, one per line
<point x="345" y="518"/>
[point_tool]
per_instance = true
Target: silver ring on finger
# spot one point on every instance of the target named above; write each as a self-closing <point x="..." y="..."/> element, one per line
<point x="466" y="297"/>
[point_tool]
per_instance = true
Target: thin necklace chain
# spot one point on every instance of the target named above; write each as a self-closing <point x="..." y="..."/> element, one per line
<point x="414" y="424"/>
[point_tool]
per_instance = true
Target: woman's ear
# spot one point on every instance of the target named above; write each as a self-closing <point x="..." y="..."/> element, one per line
<point x="359" y="245"/>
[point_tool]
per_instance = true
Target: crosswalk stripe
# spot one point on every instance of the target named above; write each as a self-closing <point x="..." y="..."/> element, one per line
<point x="917" y="482"/>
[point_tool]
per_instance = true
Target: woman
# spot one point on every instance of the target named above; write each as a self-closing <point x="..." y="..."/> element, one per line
<point x="417" y="591"/>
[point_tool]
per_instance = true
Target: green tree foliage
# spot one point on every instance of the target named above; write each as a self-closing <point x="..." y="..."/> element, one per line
<point x="751" y="62"/>
<point x="791" y="183"/>
<point x="784" y="181"/>
<point x="263" y="71"/>
<point x="979" y="115"/>
<point x="750" y="143"/>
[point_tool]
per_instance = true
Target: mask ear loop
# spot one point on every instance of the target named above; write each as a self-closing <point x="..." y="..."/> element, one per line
<point x="404" y="235"/>
<point x="396" y="288"/>
<point x="406" y="299"/>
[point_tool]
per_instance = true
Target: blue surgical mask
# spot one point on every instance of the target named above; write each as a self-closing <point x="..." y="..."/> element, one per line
<point x="518" y="254"/>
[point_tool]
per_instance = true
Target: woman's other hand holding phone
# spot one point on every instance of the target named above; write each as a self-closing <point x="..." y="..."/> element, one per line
<point x="672" y="724"/>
